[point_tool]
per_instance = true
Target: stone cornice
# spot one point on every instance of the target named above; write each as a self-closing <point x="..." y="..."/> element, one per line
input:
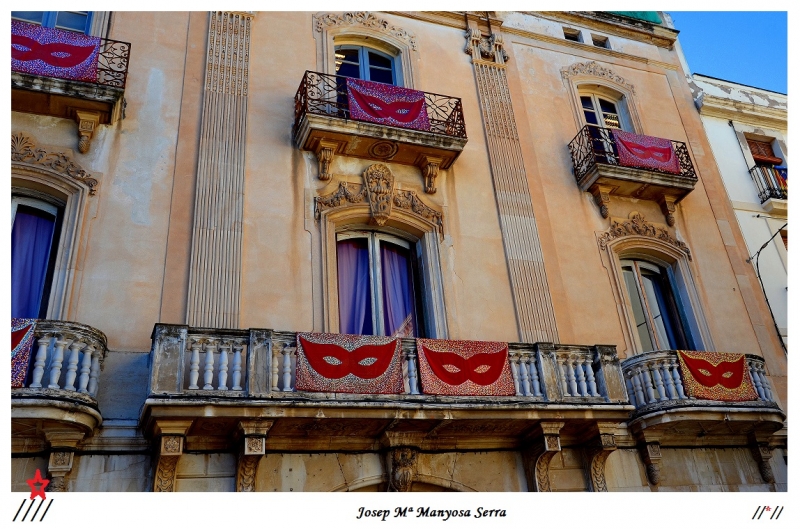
<point x="758" y="115"/>
<point x="660" y="36"/>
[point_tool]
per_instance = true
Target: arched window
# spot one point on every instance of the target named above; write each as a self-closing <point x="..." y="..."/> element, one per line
<point x="35" y="228"/>
<point x="361" y="62"/>
<point x="600" y="111"/>
<point x="654" y="306"/>
<point x="378" y="284"/>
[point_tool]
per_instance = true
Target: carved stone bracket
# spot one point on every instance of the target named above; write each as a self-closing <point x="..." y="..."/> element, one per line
<point x="87" y="123"/>
<point x="170" y="450"/>
<point x="253" y="448"/>
<point x="602" y="198"/>
<point x="489" y="48"/>
<point x="537" y="457"/>
<point x="592" y="68"/>
<point x="402" y="467"/>
<point x="430" y="170"/>
<point x="597" y="452"/>
<point x="667" y="204"/>
<point x="378" y="191"/>
<point x="58" y="467"/>
<point x="651" y="456"/>
<point x="325" y="151"/>
<point x="637" y="225"/>
<point x="762" y="454"/>
<point x="24" y="150"/>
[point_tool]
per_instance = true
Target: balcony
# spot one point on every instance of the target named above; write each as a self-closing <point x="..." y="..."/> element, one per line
<point x="58" y="402"/>
<point x="656" y="387"/>
<point x="773" y="187"/>
<point x="206" y="381"/>
<point x="69" y="75"/>
<point x="325" y="124"/>
<point x="644" y="168"/>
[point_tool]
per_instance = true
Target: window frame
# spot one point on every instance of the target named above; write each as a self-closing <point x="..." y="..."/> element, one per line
<point x="364" y="64"/>
<point x="50" y="20"/>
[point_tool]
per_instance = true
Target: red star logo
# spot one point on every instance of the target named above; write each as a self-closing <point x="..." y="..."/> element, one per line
<point x="768" y="509"/>
<point x="37" y="485"/>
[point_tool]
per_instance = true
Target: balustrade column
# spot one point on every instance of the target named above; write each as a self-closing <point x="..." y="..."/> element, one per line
<point x="41" y="358"/>
<point x="581" y="378"/>
<point x="412" y="373"/>
<point x="534" y="372"/>
<point x="237" y="367"/>
<point x="86" y="366"/>
<point x="275" y="369"/>
<point x="676" y="376"/>
<point x="208" y="375"/>
<point x="55" y="367"/>
<point x="587" y="364"/>
<point x="637" y="384"/>
<point x="287" y="368"/>
<point x="666" y="376"/>
<point x="223" y="367"/>
<point x="647" y="382"/>
<point x="756" y="380"/>
<point x="765" y="383"/>
<point x="629" y="387"/>
<point x="72" y="365"/>
<point x="94" y="372"/>
<point x="524" y="377"/>
<point x="654" y="368"/>
<point x="194" y="365"/>
<point x="514" y="360"/>
<point x="570" y="369"/>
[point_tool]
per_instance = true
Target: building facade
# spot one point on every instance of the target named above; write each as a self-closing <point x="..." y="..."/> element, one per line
<point x="205" y="186"/>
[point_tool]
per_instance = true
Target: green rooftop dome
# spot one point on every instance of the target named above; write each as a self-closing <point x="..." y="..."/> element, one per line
<point x="647" y="16"/>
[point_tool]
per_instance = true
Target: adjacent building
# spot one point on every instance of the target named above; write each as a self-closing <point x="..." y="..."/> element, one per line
<point x="190" y="191"/>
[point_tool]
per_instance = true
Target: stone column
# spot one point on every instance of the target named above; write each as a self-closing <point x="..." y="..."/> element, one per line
<point x="534" y="308"/>
<point x="215" y="269"/>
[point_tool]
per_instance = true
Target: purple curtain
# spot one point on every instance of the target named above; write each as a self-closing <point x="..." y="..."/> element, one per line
<point x="398" y="295"/>
<point x="355" y="304"/>
<point x="31" y="239"/>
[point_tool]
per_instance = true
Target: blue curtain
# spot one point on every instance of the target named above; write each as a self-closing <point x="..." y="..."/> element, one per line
<point x="31" y="239"/>
<point x="398" y="295"/>
<point x="355" y="303"/>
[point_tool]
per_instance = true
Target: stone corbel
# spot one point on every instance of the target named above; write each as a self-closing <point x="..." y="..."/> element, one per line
<point x="87" y="123"/>
<point x="62" y="455"/>
<point x="667" y="204"/>
<point x="170" y="448"/>
<point x="537" y="457"/>
<point x="762" y="453"/>
<point x="429" y="165"/>
<point x="597" y="452"/>
<point x="650" y="452"/>
<point x="253" y="448"/>
<point x="602" y="198"/>
<point x="325" y="151"/>
<point x="402" y="468"/>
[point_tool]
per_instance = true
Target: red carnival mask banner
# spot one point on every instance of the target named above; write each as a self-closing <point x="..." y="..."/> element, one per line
<point x="460" y="367"/>
<point x="716" y="376"/>
<point x="53" y="52"/>
<point x="387" y="104"/>
<point x="646" y="152"/>
<point x="21" y="343"/>
<point x="349" y="363"/>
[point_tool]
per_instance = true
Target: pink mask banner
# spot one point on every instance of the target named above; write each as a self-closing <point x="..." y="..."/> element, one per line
<point x="460" y="367"/>
<point x="53" y="52"/>
<point x="349" y="363"/>
<point x="387" y="104"/>
<point x="716" y="376"/>
<point x="646" y="152"/>
<point x="21" y="343"/>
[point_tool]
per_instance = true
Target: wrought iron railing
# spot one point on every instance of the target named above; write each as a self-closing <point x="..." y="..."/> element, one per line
<point x="326" y="95"/>
<point x="596" y="145"/>
<point x="770" y="181"/>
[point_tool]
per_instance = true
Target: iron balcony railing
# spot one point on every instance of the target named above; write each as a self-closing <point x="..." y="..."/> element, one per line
<point x="326" y="95"/>
<point x="596" y="145"/>
<point x="112" y="64"/>
<point x="770" y="181"/>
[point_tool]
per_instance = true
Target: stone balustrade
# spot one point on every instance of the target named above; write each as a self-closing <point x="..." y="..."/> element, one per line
<point x="261" y="363"/>
<point x="652" y="378"/>
<point x="66" y="356"/>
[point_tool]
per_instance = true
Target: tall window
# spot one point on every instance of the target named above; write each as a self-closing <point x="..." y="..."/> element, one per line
<point x="655" y="311"/>
<point x="600" y="111"/>
<point x="378" y="284"/>
<point x="360" y="62"/>
<point x="80" y="21"/>
<point x="769" y="173"/>
<point x="35" y="228"/>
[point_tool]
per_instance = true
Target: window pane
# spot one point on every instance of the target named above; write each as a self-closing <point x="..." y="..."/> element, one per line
<point x="380" y="76"/>
<point x="29" y="16"/>
<point x="379" y="61"/>
<point x="348" y="70"/>
<point x="355" y="300"/>
<point x="399" y="318"/>
<point x="639" y="317"/>
<point x="72" y="20"/>
<point x="655" y="300"/>
<point x="586" y="102"/>
<point x="31" y="240"/>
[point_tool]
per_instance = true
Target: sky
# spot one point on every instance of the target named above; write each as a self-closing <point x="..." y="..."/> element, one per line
<point x="744" y="47"/>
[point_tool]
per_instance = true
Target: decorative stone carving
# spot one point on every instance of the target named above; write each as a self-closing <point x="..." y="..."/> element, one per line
<point x="538" y="456"/>
<point x="602" y="198"/>
<point x="252" y="449"/>
<point x="651" y="456"/>
<point x="60" y="458"/>
<point x="379" y="192"/>
<point x="171" y="445"/>
<point x="430" y="170"/>
<point x="637" y="225"/>
<point x="58" y="466"/>
<point x="87" y="123"/>
<point x="489" y="48"/>
<point x="57" y="484"/>
<point x="170" y="449"/>
<point x="597" y="452"/>
<point x="383" y="150"/>
<point x="762" y="454"/>
<point x="254" y="445"/>
<point x="24" y="150"/>
<point x="363" y="18"/>
<point x="246" y="473"/>
<point x="592" y="68"/>
<point x="325" y="153"/>
<point x="401" y="475"/>
<point x="379" y="182"/>
<point x="667" y="204"/>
